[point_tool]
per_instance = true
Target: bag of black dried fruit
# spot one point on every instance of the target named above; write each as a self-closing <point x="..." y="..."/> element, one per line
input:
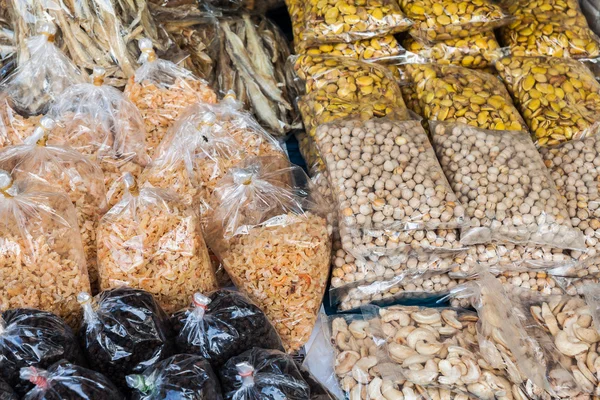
<point x="65" y="381"/>
<point x="223" y="325"/>
<point x="35" y="338"/>
<point x="317" y="390"/>
<point x="181" y="377"/>
<point x="124" y="331"/>
<point x="7" y="392"/>
<point x="261" y="374"/>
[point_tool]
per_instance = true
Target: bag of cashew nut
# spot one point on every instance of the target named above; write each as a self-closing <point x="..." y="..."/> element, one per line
<point x="521" y="204"/>
<point x="100" y="122"/>
<point x="558" y="97"/>
<point x="42" y="78"/>
<point x="66" y="170"/>
<point x="150" y="240"/>
<point x="270" y="233"/>
<point x="42" y="263"/>
<point x="162" y="90"/>
<point x="203" y="145"/>
<point x="447" y="19"/>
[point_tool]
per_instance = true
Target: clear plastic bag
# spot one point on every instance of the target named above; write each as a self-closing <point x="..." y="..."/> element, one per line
<point x="522" y="205"/>
<point x="151" y="241"/>
<point x="124" y="331"/>
<point x="183" y="376"/>
<point x="355" y="20"/>
<point x="7" y="392"/>
<point x="558" y="97"/>
<point x="65" y="381"/>
<point x="268" y="229"/>
<point x="100" y="122"/>
<point x="377" y="49"/>
<point x="577" y="286"/>
<point x="66" y="170"/>
<point x="162" y="90"/>
<point x="223" y="325"/>
<point x="203" y="145"/>
<point x="455" y="94"/>
<point x="478" y="51"/>
<point x="42" y="264"/>
<point x="318" y="391"/>
<point x="41" y="80"/>
<point x="14" y="128"/>
<point x="34" y="338"/>
<point x="260" y="373"/>
<point x="449" y="19"/>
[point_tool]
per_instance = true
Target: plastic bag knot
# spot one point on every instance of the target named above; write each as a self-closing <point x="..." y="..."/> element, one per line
<point x="37" y="377"/>
<point x="6" y="183"/>
<point x="246" y="372"/>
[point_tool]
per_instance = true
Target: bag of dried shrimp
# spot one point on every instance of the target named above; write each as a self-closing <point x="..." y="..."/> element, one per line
<point x="101" y="123"/>
<point x="69" y="171"/>
<point x="203" y="145"/>
<point x="270" y="235"/>
<point x="162" y="90"/>
<point x="42" y="262"/>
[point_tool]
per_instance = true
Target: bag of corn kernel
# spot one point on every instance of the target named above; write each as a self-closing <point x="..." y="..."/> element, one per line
<point x="150" y="240"/>
<point x="441" y="20"/>
<point x="273" y="239"/>
<point x="100" y="122"/>
<point x="69" y="171"/>
<point x="42" y="262"/>
<point x="39" y="81"/>
<point x="162" y="90"/>
<point x="203" y="145"/>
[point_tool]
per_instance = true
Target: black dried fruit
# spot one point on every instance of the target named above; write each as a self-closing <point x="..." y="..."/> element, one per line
<point x="7" y="392"/>
<point x="261" y="374"/>
<point x="317" y="390"/>
<point x="65" y="381"/>
<point x="124" y="332"/>
<point x="223" y="325"/>
<point x="182" y="377"/>
<point x="36" y="338"/>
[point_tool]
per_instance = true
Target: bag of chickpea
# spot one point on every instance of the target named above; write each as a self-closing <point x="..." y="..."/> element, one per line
<point x="100" y="122"/>
<point x="203" y="145"/>
<point x="269" y="230"/>
<point x="66" y="170"/>
<point x="520" y="205"/>
<point x="42" y="262"/>
<point x="150" y="240"/>
<point x="162" y="90"/>
<point x="558" y="97"/>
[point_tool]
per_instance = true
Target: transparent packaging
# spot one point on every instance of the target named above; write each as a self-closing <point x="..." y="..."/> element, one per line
<point x="62" y="381"/>
<point x="162" y="90"/>
<point x="223" y="325"/>
<point x="151" y="241"/>
<point x="455" y="94"/>
<point x="377" y="49"/>
<point x="183" y="376"/>
<point x="34" y="338"/>
<point x="558" y="97"/>
<point x="124" y="331"/>
<point x="66" y="170"/>
<point x="522" y="205"/>
<point x="42" y="264"/>
<point x="269" y="230"/>
<point x="14" y="128"/>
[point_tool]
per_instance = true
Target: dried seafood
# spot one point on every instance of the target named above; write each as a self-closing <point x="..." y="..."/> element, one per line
<point x="7" y="44"/>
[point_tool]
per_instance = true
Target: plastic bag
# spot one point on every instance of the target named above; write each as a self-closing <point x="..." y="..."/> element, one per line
<point x="184" y="376"/>
<point x="42" y="263"/>
<point x="478" y="51"/>
<point x="203" y="145"/>
<point x="559" y="97"/>
<point x="6" y="392"/>
<point x="591" y="9"/>
<point x="221" y="326"/>
<point x="442" y="20"/>
<point x="576" y="286"/>
<point x="65" y="381"/>
<point x="124" y="331"/>
<point x="260" y="373"/>
<point x="522" y="205"/>
<point x="162" y="90"/>
<point x="258" y="7"/>
<point x="376" y="49"/>
<point x="455" y="94"/>
<point x="151" y="241"/>
<point x="42" y="79"/>
<point x="14" y="128"/>
<point x="66" y="170"/>
<point x="99" y="121"/>
<point x="33" y="338"/>
<point x="348" y="22"/>
<point x="318" y="391"/>
<point x="268" y="230"/>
